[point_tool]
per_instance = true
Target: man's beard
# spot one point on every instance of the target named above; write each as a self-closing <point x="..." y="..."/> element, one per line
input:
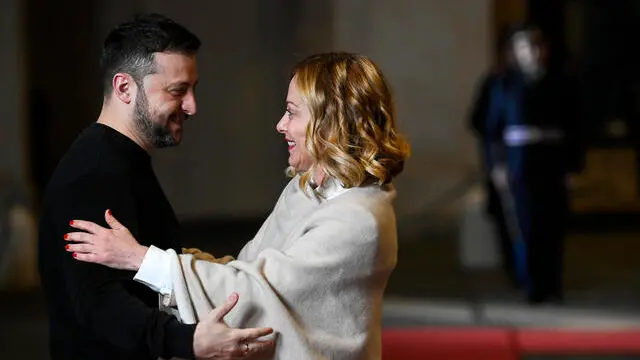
<point x="157" y="135"/>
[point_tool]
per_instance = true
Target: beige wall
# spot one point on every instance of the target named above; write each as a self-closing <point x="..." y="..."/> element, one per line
<point x="432" y="52"/>
<point x="231" y="161"/>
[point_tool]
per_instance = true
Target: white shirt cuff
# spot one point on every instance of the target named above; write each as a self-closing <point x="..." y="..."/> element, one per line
<point x="155" y="271"/>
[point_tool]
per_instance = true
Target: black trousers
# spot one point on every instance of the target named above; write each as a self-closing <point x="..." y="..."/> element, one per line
<point x="541" y="207"/>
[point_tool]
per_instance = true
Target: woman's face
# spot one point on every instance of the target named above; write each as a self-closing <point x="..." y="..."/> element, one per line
<point x="293" y="125"/>
<point x="529" y="52"/>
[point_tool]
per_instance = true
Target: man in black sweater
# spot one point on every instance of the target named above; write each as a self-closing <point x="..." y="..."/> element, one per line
<point x="96" y="312"/>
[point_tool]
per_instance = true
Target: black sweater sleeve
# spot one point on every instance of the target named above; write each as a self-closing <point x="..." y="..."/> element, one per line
<point x="101" y="300"/>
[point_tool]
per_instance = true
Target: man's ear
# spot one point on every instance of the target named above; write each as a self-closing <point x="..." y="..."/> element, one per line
<point x="123" y="87"/>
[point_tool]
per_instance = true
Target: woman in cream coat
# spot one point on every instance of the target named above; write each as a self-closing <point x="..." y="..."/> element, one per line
<point x="317" y="269"/>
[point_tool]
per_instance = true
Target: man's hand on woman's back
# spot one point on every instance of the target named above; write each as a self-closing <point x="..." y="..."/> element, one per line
<point x="213" y="339"/>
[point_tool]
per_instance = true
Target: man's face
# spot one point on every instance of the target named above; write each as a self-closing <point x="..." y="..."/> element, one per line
<point x="166" y="99"/>
<point x="529" y="51"/>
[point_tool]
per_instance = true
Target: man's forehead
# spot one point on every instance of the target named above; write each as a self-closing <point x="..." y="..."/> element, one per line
<point x="172" y="60"/>
<point x="176" y="66"/>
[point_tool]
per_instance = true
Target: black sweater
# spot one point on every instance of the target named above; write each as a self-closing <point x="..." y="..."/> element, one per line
<point x="96" y="312"/>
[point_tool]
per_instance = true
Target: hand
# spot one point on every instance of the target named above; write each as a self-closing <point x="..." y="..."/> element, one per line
<point x="114" y="247"/>
<point x="500" y="176"/>
<point x="213" y="339"/>
<point x="200" y="255"/>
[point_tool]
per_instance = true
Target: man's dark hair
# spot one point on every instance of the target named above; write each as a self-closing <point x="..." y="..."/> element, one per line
<point x="526" y="26"/>
<point x="130" y="47"/>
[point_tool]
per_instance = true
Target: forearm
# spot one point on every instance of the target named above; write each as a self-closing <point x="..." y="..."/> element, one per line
<point x="136" y="257"/>
<point x="154" y="269"/>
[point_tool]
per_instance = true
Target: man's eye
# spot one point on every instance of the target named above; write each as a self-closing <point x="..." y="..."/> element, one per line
<point x="177" y="92"/>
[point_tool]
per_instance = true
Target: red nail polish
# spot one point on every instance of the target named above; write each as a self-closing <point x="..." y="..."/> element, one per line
<point x="66" y="236"/>
<point x="109" y="212"/>
<point x="71" y="222"/>
<point x="66" y="247"/>
<point x="75" y="255"/>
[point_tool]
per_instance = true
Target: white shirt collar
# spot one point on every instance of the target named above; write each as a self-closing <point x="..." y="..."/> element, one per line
<point x="330" y="188"/>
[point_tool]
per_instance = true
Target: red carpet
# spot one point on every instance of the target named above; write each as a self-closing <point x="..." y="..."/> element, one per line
<point x="502" y="343"/>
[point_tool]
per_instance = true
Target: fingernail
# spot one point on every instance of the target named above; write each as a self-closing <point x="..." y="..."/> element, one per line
<point x="75" y="255"/>
<point x="71" y="222"/>
<point x="108" y="212"/>
<point x="66" y="236"/>
<point x="66" y="247"/>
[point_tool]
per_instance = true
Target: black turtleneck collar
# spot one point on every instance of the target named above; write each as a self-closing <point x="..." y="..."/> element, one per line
<point x="121" y="143"/>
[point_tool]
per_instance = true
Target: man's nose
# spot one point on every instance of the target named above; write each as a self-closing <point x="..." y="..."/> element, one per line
<point x="189" y="104"/>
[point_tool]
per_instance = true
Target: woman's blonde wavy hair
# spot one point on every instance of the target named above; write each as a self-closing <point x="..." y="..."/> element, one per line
<point x="352" y="133"/>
